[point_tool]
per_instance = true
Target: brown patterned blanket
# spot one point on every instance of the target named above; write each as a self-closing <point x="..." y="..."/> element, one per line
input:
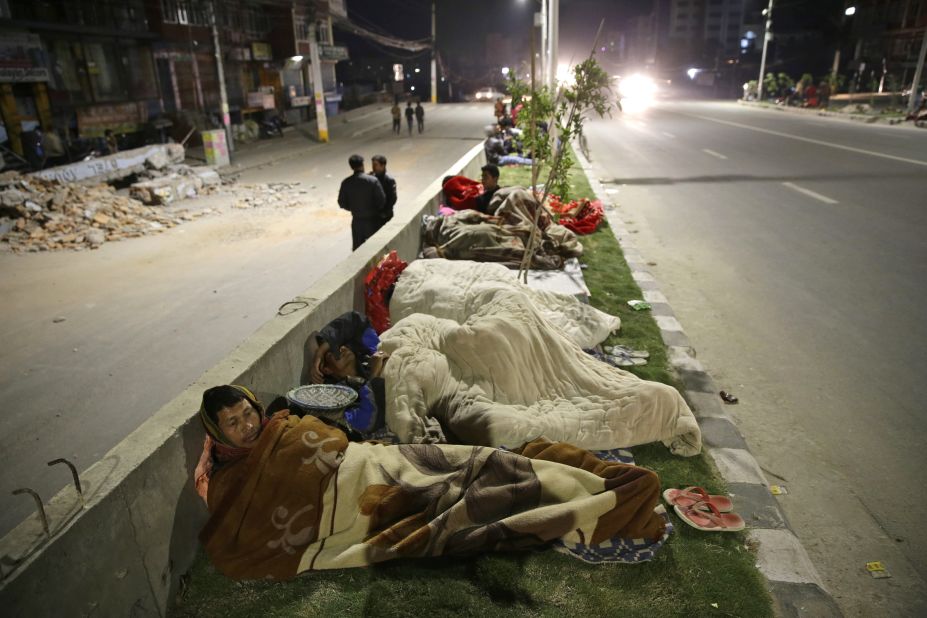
<point x="305" y="499"/>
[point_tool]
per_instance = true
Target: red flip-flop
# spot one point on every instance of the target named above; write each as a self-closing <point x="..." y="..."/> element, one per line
<point x="693" y="495"/>
<point x="705" y="517"/>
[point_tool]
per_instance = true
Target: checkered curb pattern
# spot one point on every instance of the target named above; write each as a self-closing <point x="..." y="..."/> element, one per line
<point x="791" y="577"/>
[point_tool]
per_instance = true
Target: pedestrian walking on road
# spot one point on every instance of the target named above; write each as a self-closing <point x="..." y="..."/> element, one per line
<point x="387" y="182"/>
<point x="362" y="195"/>
<point x="420" y="116"/>
<point x="397" y="118"/>
<point x="410" y="114"/>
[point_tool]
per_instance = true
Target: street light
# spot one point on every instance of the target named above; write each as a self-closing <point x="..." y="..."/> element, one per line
<point x="505" y="70"/>
<point x="850" y="11"/>
<point x="767" y="35"/>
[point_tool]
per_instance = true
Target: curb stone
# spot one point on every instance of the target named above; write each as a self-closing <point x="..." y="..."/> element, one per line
<point x="791" y="578"/>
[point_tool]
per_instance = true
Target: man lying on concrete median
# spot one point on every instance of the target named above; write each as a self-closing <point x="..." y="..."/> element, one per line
<point x="289" y="495"/>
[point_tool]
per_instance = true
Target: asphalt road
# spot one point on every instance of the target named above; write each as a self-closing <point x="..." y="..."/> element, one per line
<point x="794" y="252"/>
<point x="145" y="317"/>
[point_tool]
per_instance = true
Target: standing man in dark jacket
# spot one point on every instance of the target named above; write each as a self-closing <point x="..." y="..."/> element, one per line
<point x="363" y="197"/>
<point x="387" y="182"/>
<point x="410" y="114"/>
<point x="420" y="116"/>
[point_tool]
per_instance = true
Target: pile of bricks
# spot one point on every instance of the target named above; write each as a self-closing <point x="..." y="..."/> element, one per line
<point x="45" y="215"/>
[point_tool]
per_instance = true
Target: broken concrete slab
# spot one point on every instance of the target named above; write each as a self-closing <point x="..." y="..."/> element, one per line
<point x="115" y="166"/>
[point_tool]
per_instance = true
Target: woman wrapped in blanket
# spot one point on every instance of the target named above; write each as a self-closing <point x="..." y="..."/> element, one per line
<point x="288" y="495"/>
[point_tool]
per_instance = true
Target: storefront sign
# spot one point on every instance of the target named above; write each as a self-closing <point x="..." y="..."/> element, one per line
<point x="262" y="51"/>
<point x="22" y="58"/>
<point x="300" y="101"/>
<point x="333" y="52"/>
<point x="120" y="118"/>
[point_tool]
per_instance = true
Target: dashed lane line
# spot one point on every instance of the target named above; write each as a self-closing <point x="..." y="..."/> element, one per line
<point x="713" y="153"/>
<point x="810" y="193"/>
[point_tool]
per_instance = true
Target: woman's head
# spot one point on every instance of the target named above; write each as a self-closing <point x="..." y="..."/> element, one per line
<point x="232" y="415"/>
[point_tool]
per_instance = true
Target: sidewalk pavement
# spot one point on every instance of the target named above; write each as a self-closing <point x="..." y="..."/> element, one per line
<point x="874" y="118"/>
<point x="297" y="138"/>
<point x="791" y="577"/>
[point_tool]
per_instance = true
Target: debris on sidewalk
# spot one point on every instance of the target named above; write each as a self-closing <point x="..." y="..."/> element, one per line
<point x="877" y="570"/>
<point x="175" y="183"/>
<point x="114" y="166"/>
<point x="639" y="305"/>
<point x="277" y="194"/>
<point x="43" y="215"/>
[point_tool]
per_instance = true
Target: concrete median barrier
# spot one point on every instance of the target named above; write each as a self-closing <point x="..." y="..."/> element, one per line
<point x="123" y="547"/>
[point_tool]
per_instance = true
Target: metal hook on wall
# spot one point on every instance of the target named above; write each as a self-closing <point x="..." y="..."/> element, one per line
<point x="74" y="475"/>
<point x="38" y="505"/>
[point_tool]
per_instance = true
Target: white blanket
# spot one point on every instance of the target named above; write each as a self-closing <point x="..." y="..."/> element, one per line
<point x="504" y="375"/>
<point x="455" y="289"/>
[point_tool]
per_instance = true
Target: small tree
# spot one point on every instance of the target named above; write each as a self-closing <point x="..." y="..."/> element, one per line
<point x="785" y="84"/>
<point x="770" y="85"/>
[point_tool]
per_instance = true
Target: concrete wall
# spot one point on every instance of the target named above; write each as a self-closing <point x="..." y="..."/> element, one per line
<point x="124" y="551"/>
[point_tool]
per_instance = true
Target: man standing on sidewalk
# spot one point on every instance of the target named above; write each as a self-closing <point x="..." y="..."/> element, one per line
<point x="387" y="182"/>
<point x="410" y="114"/>
<point x="363" y="197"/>
<point x="420" y="116"/>
<point x="397" y="117"/>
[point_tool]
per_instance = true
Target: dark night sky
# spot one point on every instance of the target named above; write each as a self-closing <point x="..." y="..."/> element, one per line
<point x="463" y="24"/>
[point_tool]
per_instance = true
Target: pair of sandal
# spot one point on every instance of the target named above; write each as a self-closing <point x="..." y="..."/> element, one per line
<point x="704" y="512"/>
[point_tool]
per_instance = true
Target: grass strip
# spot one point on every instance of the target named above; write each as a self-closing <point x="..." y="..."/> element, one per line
<point x="695" y="574"/>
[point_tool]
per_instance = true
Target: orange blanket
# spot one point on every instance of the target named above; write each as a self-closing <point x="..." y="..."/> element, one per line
<point x="306" y="499"/>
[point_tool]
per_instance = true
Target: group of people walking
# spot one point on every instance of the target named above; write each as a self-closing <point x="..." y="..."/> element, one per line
<point x="416" y="113"/>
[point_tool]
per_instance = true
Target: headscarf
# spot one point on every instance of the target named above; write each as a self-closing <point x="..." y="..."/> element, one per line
<point x="217" y="449"/>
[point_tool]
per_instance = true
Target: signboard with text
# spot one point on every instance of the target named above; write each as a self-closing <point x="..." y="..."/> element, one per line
<point x="333" y="52"/>
<point x="22" y="58"/>
<point x="262" y="51"/>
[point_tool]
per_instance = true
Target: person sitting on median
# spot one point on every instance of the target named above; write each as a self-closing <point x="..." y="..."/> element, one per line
<point x="289" y="494"/>
<point x="490" y="180"/>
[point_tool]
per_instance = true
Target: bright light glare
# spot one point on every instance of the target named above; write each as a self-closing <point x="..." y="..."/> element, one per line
<point x="564" y="75"/>
<point x="637" y="87"/>
<point x="418" y="70"/>
<point x="850" y="10"/>
<point x="692" y="73"/>
<point x="505" y="70"/>
<point x="413" y="87"/>
<point x="297" y="58"/>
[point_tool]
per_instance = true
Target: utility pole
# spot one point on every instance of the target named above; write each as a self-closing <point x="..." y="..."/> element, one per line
<point x="434" y="53"/>
<point x="223" y="94"/>
<point x="554" y="42"/>
<point x="317" y="88"/>
<point x="918" y="72"/>
<point x="544" y="28"/>
<point x="767" y="35"/>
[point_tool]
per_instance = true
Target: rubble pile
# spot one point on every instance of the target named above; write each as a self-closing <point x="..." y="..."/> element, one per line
<point x="277" y="194"/>
<point x="173" y="183"/>
<point x="45" y="215"/>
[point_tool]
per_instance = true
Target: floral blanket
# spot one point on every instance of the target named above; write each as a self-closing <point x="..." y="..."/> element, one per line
<point x="305" y="499"/>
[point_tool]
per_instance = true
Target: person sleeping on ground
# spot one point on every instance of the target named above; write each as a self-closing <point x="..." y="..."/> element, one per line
<point x="288" y="495"/>
<point x="497" y="373"/>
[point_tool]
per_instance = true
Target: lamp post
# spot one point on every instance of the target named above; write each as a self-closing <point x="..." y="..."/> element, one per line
<point x="767" y="35"/>
<point x="434" y="55"/>
<point x="912" y="98"/>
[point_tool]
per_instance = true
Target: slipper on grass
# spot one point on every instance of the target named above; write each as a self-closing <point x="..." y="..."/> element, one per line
<point x="693" y="495"/>
<point x="706" y="517"/>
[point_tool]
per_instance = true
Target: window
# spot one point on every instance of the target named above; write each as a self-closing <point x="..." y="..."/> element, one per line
<point x="139" y="68"/>
<point x="105" y="75"/>
<point x="68" y="77"/>
<point x="190" y="12"/>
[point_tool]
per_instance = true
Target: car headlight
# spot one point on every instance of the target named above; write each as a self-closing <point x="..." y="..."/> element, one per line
<point x="637" y="87"/>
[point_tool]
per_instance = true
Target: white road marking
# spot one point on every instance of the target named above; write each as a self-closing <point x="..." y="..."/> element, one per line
<point x="367" y="130"/>
<point x="810" y="193"/>
<point x="713" y="153"/>
<point x="669" y="135"/>
<point x="814" y="141"/>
